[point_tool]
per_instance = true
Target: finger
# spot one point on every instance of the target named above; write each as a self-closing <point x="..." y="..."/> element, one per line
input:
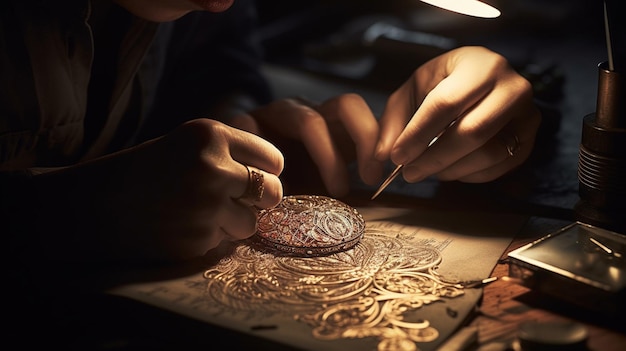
<point x="357" y="119"/>
<point x="260" y="164"/>
<point x="250" y="149"/>
<point x="456" y="85"/>
<point x="479" y="166"/>
<point x="289" y="112"/>
<point x="399" y="109"/>
<point x="506" y="151"/>
<point x="317" y="140"/>
<point x="444" y="105"/>
<point x="516" y="140"/>
<point x="245" y="122"/>
<point x="406" y="100"/>
<point x="239" y="220"/>
<point x="493" y="172"/>
<point x="243" y="146"/>
<point x="258" y="188"/>
<point x="243" y="149"/>
<point x="475" y="129"/>
<point x="306" y="124"/>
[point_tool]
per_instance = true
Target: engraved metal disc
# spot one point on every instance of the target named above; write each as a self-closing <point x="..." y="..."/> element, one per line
<point x="310" y="225"/>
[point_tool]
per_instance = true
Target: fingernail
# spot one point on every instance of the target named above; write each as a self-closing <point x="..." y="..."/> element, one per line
<point x="398" y="157"/>
<point x="379" y="152"/>
<point x="372" y="173"/>
<point x="413" y="174"/>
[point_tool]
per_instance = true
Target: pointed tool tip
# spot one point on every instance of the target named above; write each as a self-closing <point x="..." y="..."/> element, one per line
<point x="387" y="181"/>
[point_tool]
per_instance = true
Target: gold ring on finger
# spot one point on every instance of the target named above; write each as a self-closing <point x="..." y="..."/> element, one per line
<point x="254" y="190"/>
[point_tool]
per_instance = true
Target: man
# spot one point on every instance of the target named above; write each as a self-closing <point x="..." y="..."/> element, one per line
<point x="143" y="130"/>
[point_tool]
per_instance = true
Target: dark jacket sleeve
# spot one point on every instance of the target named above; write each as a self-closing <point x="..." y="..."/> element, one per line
<point x="209" y="58"/>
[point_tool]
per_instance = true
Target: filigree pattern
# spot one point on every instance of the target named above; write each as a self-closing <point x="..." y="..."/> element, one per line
<point x="367" y="291"/>
<point x="310" y="225"/>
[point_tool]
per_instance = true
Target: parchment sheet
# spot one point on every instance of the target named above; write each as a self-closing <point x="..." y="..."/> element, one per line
<point x="396" y="290"/>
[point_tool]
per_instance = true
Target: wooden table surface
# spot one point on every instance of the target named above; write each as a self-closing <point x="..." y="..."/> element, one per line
<point x="505" y="305"/>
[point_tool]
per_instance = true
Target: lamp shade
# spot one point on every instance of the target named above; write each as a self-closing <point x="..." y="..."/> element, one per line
<point x="467" y="7"/>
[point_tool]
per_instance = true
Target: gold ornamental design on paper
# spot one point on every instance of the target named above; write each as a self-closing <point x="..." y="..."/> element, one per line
<point x="371" y="290"/>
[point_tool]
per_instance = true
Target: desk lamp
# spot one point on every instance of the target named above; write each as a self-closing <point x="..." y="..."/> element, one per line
<point x="602" y="157"/>
<point x="584" y="262"/>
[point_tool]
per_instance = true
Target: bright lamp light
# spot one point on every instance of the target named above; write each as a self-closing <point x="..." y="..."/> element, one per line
<point x="466" y="7"/>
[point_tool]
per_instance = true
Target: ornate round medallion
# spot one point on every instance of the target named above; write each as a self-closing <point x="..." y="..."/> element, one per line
<point x="310" y="225"/>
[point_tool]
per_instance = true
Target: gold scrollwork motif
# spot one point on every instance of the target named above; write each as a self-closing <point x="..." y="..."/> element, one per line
<point x="366" y="291"/>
